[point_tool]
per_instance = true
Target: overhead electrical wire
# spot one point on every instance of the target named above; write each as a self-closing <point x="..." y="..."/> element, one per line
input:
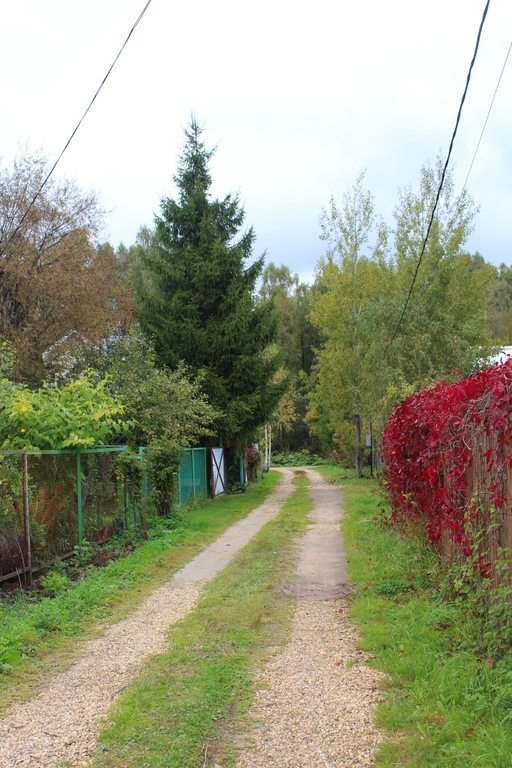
<point x="47" y="178"/>
<point x="450" y="230"/>
<point x="487" y="118"/>
<point x="445" y="168"/>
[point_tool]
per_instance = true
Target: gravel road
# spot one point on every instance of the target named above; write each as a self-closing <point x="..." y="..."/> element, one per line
<point x="317" y="697"/>
<point x="61" y="723"/>
<point x="315" y="707"/>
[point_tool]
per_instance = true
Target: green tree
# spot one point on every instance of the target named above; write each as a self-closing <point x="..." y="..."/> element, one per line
<point x="367" y="361"/>
<point x="196" y="298"/>
<point x="500" y="305"/>
<point x="297" y="339"/>
<point x="350" y="283"/>
<point x="297" y="335"/>
<point x="445" y="328"/>
<point x="159" y="404"/>
<point x="165" y="411"/>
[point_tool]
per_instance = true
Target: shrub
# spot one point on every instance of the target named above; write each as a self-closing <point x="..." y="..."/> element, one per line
<point x="299" y="459"/>
<point x="54" y="583"/>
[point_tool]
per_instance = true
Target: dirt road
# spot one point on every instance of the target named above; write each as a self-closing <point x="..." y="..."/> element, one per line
<point x="316" y="703"/>
<point x="316" y="708"/>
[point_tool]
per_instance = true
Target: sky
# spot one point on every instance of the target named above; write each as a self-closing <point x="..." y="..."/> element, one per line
<point x="299" y="98"/>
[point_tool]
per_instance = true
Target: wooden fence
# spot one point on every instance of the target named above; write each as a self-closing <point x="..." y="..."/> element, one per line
<point x="488" y="525"/>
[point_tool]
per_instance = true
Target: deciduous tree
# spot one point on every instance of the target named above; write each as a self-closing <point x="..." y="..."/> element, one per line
<point x="159" y="404"/>
<point x="57" y="283"/>
<point x="445" y="327"/>
<point x="297" y="339"/>
<point x="351" y="281"/>
<point x="369" y="360"/>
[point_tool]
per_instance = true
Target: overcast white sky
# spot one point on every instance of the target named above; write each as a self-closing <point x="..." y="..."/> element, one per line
<point x="298" y="96"/>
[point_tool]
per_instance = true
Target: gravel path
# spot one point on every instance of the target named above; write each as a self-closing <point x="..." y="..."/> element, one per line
<point x="315" y="706"/>
<point x="61" y="723"/>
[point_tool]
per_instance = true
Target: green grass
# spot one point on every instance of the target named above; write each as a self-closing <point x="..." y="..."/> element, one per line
<point x="337" y="474"/>
<point x="35" y="631"/>
<point x="444" y="706"/>
<point x="194" y="695"/>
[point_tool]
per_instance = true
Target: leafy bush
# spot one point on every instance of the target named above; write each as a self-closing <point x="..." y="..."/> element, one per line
<point x="159" y="403"/>
<point x="299" y="459"/>
<point x="433" y="441"/>
<point x="447" y="460"/>
<point x="131" y="470"/>
<point x="163" y="461"/>
<point x="80" y="414"/>
<point x="54" y="583"/>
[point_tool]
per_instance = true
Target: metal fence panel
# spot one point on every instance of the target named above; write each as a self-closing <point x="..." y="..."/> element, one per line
<point x="186" y="477"/>
<point x="45" y="518"/>
<point x="59" y="517"/>
<point x="13" y="554"/>
<point x="52" y="505"/>
<point x="192" y="481"/>
<point x="102" y="495"/>
<point x="200" y="482"/>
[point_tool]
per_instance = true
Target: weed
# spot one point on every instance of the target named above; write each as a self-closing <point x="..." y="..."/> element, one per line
<point x="54" y="583"/>
<point x="82" y="554"/>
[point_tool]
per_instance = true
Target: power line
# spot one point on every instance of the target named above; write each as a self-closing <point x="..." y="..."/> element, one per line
<point x="487" y="118"/>
<point x="442" y="178"/>
<point x="76" y="129"/>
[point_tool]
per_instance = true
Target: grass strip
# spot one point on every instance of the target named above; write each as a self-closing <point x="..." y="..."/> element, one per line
<point x="33" y="631"/>
<point x="444" y="706"/>
<point x="188" y="700"/>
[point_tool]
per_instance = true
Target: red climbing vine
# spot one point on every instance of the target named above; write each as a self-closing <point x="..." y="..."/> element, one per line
<point x="448" y="463"/>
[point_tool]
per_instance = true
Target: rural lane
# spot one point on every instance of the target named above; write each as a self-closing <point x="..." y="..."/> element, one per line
<point x="317" y="703"/>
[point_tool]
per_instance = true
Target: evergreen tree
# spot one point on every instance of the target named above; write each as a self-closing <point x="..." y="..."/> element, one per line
<point x="196" y="298"/>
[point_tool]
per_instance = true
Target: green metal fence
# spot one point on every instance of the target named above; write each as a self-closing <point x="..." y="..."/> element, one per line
<point x="193" y="477"/>
<point x="52" y="501"/>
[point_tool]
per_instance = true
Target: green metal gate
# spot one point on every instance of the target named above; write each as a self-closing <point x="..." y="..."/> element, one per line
<point x="192" y="477"/>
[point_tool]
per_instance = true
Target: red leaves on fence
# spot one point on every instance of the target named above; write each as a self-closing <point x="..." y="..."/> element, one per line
<point x="447" y="451"/>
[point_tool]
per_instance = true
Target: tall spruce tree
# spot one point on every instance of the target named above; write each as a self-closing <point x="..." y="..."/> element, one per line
<point x="196" y="297"/>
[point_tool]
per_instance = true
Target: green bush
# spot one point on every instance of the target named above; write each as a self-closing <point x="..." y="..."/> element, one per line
<point x="163" y="458"/>
<point x="298" y="459"/>
<point x="54" y="583"/>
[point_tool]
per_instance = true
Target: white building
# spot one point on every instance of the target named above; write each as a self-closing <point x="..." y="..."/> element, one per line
<point x="501" y="357"/>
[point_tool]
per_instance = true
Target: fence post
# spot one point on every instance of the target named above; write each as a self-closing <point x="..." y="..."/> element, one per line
<point x="26" y="515"/>
<point x="126" y="502"/>
<point x="79" y="496"/>
<point x="192" y="456"/>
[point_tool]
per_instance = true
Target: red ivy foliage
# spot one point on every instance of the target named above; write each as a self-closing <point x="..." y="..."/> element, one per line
<point x="447" y="452"/>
